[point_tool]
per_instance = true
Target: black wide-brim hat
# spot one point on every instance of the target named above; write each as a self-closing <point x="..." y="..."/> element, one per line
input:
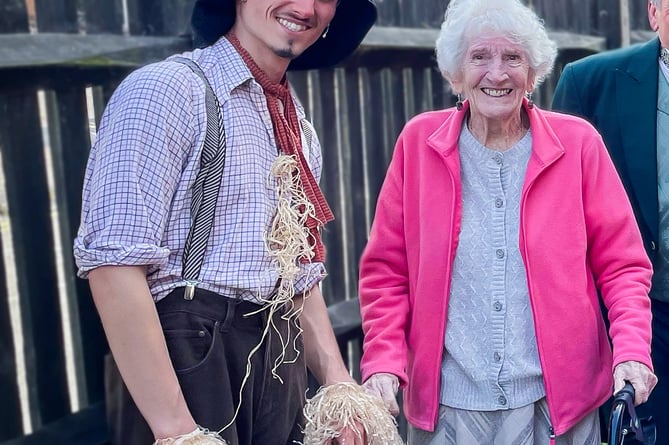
<point x="211" y="19"/>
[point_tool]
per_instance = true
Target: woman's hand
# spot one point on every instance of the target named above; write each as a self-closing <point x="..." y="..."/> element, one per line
<point x="642" y="379"/>
<point x="385" y="386"/>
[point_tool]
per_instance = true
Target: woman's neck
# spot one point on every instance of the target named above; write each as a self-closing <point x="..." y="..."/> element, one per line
<point x="498" y="135"/>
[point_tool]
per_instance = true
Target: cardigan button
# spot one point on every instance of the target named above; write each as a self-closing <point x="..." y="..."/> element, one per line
<point x="501" y="400"/>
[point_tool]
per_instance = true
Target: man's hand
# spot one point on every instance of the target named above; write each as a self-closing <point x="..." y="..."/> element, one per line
<point x="385" y="386"/>
<point x="642" y="379"/>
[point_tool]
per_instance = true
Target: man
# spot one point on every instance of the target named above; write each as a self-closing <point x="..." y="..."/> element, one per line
<point x="625" y="94"/>
<point x="211" y="347"/>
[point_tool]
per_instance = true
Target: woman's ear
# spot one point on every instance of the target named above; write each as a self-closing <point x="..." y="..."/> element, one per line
<point x="531" y="81"/>
<point x="456" y="85"/>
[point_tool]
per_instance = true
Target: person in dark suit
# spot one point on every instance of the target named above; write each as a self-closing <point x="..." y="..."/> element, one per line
<point x="625" y="94"/>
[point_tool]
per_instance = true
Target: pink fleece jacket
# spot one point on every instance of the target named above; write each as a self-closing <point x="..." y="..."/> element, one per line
<point x="577" y="235"/>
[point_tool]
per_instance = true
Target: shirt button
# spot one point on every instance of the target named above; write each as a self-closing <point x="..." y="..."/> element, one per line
<point x="497" y="356"/>
<point x="200" y="333"/>
<point x="652" y="245"/>
<point x="499" y="253"/>
<point x="501" y="400"/>
<point x="499" y="202"/>
<point x="497" y="306"/>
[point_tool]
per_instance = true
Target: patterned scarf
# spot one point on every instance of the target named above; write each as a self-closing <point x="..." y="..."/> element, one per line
<point x="287" y="134"/>
<point x="664" y="56"/>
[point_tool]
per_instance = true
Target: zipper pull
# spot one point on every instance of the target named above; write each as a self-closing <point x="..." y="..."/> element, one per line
<point x="551" y="432"/>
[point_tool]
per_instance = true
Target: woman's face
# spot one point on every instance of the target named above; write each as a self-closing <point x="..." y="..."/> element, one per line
<point x="495" y="75"/>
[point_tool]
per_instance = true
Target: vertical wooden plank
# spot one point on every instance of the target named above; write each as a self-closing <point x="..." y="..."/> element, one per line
<point x="10" y="408"/>
<point x="299" y="80"/>
<point x="408" y="18"/>
<point x="543" y="94"/>
<point x="355" y="187"/>
<point x="101" y="95"/>
<point x="176" y="17"/>
<point x="442" y="97"/>
<point x="388" y="13"/>
<point x="382" y="140"/>
<point x="408" y="94"/>
<point x="422" y="13"/>
<point x="160" y="17"/>
<point x="28" y="200"/>
<point x="379" y="107"/>
<point x="70" y="144"/>
<point x="393" y="108"/>
<point x="639" y="15"/>
<point x="371" y="183"/>
<point x="103" y="16"/>
<point x="56" y="16"/>
<point x="608" y="23"/>
<point x="326" y="123"/>
<point x="340" y="172"/>
<point x="13" y="16"/>
<point x="349" y="175"/>
<point x="423" y="88"/>
<point x="433" y="13"/>
<point x="136" y="27"/>
<point x="150" y="17"/>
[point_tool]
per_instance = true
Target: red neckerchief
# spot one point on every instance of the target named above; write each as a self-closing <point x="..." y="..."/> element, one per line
<point x="287" y="134"/>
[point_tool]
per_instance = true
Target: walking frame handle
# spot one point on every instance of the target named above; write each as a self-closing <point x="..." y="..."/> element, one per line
<point x="625" y="424"/>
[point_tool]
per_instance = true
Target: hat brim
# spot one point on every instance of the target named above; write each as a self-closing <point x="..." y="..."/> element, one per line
<point x="211" y="19"/>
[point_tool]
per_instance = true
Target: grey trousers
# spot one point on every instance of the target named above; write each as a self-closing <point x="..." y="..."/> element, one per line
<point x="527" y="425"/>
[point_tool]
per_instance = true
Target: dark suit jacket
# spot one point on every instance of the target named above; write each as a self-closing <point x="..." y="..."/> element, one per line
<point x="617" y="92"/>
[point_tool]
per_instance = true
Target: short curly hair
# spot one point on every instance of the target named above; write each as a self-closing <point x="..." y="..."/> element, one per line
<point x="465" y="19"/>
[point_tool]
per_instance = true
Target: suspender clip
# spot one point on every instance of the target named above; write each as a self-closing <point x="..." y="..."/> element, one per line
<point x="189" y="292"/>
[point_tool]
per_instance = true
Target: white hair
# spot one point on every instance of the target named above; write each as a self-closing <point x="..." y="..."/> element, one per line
<point x="465" y="19"/>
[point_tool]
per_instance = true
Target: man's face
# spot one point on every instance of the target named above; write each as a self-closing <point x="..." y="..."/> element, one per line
<point x="658" y="16"/>
<point x="277" y="31"/>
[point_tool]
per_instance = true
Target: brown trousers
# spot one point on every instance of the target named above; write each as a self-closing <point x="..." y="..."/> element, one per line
<point x="209" y="340"/>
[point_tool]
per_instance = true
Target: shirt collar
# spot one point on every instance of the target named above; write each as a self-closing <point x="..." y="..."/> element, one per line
<point x="229" y="71"/>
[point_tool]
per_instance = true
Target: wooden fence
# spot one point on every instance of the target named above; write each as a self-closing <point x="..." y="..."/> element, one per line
<point x="60" y="62"/>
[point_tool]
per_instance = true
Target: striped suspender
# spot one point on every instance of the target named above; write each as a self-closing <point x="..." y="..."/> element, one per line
<point x="206" y="187"/>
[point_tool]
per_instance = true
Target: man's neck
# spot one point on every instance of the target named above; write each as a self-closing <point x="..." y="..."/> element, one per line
<point x="271" y="64"/>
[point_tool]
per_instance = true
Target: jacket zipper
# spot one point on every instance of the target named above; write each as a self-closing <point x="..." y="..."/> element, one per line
<point x="532" y="305"/>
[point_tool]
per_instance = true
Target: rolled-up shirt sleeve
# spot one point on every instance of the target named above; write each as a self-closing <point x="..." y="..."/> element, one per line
<point x="146" y="135"/>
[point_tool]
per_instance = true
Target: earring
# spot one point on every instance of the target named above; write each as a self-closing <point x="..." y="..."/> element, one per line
<point x="458" y="104"/>
<point x="530" y="102"/>
<point x="325" y="33"/>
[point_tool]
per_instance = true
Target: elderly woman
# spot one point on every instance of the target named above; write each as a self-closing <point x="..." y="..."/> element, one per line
<point x="497" y="228"/>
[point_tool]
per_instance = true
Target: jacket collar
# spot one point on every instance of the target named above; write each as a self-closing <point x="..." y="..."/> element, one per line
<point x="546" y="147"/>
<point x="642" y="64"/>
